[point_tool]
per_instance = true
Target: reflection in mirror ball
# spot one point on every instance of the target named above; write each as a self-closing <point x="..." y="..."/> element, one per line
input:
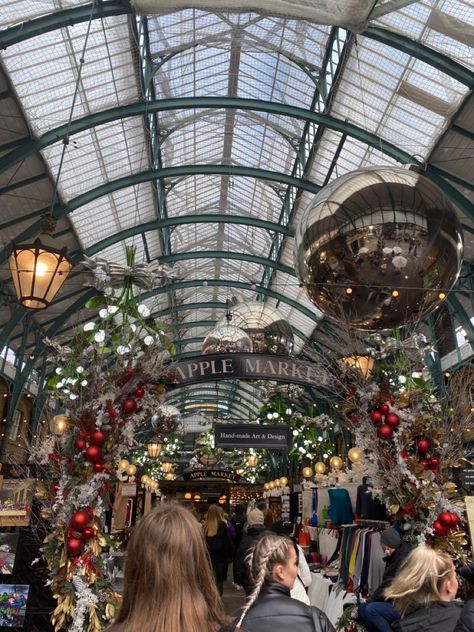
<point x="226" y="339"/>
<point x="378" y="248"/>
<point x="167" y="419"/>
<point x="265" y="326"/>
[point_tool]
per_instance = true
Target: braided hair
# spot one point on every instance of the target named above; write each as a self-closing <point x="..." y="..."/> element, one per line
<point x="269" y="550"/>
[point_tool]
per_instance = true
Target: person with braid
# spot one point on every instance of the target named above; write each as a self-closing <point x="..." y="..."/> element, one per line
<point x="273" y="567"/>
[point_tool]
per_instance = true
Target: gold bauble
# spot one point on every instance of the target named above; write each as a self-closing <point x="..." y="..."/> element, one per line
<point x="320" y="467"/>
<point x="336" y="462"/>
<point x="354" y="455"/>
<point x="283" y="481"/>
<point x="266" y="486"/>
<point x="307" y="472"/>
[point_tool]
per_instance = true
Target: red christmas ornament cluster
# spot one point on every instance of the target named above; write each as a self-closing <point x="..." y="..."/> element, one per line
<point x="91" y="444"/>
<point x="80" y="531"/>
<point x="386" y="421"/>
<point x="445" y="522"/>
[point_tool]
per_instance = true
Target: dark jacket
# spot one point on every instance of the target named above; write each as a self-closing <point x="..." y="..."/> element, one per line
<point x="392" y="564"/>
<point x="238" y="520"/>
<point x="439" y="616"/>
<point x="240" y="570"/>
<point x="219" y="545"/>
<point x="466" y="620"/>
<point x="275" y="611"/>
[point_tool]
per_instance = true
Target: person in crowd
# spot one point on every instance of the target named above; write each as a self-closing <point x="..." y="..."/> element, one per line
<point x="257" y="514"/>
<point x="466" y="620"/>
<point x="303" y="579"/>
<point x="168" y="582"/>
<point x="238" y="520"/>
<point x="273" y="567"/>
<point x="423" y="592"/>
<point x="254" y="531"/>
<point x="218" y="543"/>
<point x="268" y="518"/>
<point x="377" y="615"/>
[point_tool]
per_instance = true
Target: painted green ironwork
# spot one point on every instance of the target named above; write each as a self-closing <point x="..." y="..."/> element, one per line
<point x="222" y="254"/>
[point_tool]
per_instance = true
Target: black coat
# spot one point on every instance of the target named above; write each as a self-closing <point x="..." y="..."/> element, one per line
<point x="466" y="620"/>
<point x="392" y="564"/>
<point x="240" y="570"/>
<point x="439" y="616"/>
<point x="219" y="545"/>
<point x="275" y="611"/>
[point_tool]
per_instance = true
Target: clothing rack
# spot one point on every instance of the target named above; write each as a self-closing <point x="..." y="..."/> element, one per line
<point x="364" y="522"/>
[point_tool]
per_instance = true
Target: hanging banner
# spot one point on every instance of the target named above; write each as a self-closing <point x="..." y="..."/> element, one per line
<point x="247" y="366"/>
<point x="199" y="475"/>
<point x="252" y="436"/>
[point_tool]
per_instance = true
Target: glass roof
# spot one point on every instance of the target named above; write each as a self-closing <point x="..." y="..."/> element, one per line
<point x="388" y="91"/>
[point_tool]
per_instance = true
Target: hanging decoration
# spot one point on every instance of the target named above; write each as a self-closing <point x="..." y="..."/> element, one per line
<point x="166" y="419"/>
<point x="104" y="384"/>
<point x="379" y="248"/>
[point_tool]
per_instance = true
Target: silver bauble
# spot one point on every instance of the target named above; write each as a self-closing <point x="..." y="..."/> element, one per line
<point x="167" y="419"/>
<point x="226" y="339"/>
<point x="265" y="326"/>
<point x="379" y="248"/>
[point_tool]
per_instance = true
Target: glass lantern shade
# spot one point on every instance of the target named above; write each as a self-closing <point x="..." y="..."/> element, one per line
<point x="59" y="424"/>
<point x="38" y="272"/>
<point x="153" y="448"/>
<point x="166" y="466"/>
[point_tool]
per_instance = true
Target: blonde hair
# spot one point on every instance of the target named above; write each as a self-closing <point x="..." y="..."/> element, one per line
<point x="420" y="580"/>
<point x="169" y="583"/>
<point x="215" y="516"/>
<point x="266" y="553"/>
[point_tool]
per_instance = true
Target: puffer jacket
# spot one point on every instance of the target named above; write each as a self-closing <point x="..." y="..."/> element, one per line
<point x="275" y="611"/>
<point x="466" y="620"/>
<point x="439" y="616"/>
<point x="392" y="564"/>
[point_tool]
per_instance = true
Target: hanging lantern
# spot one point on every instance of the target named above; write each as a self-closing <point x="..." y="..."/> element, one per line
<point x="362" y="363"/>
<point x="166" y="466"/>
<point x="188" y="496"/>
<point x="59" y="424"/>
<point x="307" y="472"/>
<point x="197" y="497"/>
<point x="239" y="471"/>
<point x="252" y="460"/>
<point x="153" y="448"/>
<point x="354" y="455"/>
<point x="38" y="270"/>
<point x="336" y="463"/>
<point x="169" y="476"/>
<point x="320" y="467"/>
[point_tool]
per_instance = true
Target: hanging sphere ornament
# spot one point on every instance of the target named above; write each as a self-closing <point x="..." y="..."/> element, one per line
<point x="80" y="519"/>
<point x="88" y="533"/>
<point x="447" y="519"/>
<point x="129" y="405"/>
<point x="74" y="546"/>
<point x="423" y="445"/>
<point x="376" y="416"/>
<point x="439" y="529"/>
<point x="139" y="392"/>
<point x="354" y="455"/>
<point x="384" y="409"/>
<point x="97" y="437"/>
<point x="80" y="445"/>
<point x="336" y="462"/>
<point x="378" y="248"/>
<point x="385" y="432"/>
<point x="267" y="329"/>
<point x="434" y="463"/>
<point x="392" y="420"/>
<point x="227" y="339"/>
<point x="166" y="419"/>
<point x="98" y="467"/>
<point x="93" y="454"/>
<point x="320" y="467"/>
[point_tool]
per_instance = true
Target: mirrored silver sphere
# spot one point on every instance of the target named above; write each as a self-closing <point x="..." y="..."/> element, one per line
<point x="167" y="419"/>
<point x="265" y="326"/>
<point x="227" y="339"/>
<point x="379" y="248"/>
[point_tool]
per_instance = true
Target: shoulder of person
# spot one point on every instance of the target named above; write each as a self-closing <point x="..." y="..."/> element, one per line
<point x="320" y="620"/>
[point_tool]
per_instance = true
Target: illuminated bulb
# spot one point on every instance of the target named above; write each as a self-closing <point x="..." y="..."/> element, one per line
<point x="266" y="487"/>
<point x="41" y="269"/>
<point x="336" y="462"/>
<point x="131" y="470"/>
<point x="395" y="293"/>
<point x="271" y="485"/>
<point x="441" y="296"/>
<point x="123" y="465"/>
<point x="307" y="472"/>
<point x="349" y="290"/>
<point x="320" y="467"/>
<point x="283" y="481"/>
<point x="354" y="455"/>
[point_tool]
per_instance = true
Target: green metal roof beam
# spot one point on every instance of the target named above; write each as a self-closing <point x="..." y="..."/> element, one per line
<point x="423" y="53"/>
<point x="182" y="285"/>
<point x="207" y="218"/>
<point x="222" y="254"/>
<point x="61" y="19"/>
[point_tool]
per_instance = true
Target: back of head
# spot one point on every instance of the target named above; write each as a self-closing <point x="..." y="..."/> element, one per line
<point x="261" y="504"/>
<point x="215" y="515"/>
<point x="420" y="579"/>
<point x="168" y="582"/>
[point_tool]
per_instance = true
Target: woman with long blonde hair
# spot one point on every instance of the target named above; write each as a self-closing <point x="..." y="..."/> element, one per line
<point x="423" y="592"/>
<point x="168" y="581"/>
<point x="273" y="566"/>
<point x="218" y="544"/>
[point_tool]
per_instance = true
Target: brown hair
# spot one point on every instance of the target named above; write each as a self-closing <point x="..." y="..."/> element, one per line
<point x="168" y="582"/>
<point x="420" y="580"/>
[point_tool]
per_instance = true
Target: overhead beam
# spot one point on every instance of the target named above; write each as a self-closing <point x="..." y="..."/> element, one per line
<point x="222" y="254"/>
<point x="207" y="218"/>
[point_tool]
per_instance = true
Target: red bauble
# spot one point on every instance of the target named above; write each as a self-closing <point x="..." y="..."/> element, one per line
<point x="376" y="416"/>
<point x="385" y="432"/>
<point x="80" y="445"/>
<point x="74" y="546"/>
<point x="425" y="463"/>
<point x="392" y="420"/>
<point x="129" y="405"/>
<point x="139" y="392"/>
<point x="113" y="414"/>
<point x="439" y="530"/>
<point x="98" y="467"/>
<point x="354" y="419"/>
<point x="454" y="520"/>
<point x="445" y="518"/>
<point x="88" y="533"/>
<point x="423" y="445"/>
<point x="98" y="437"/>
<point x="93" y="454"/>
<point x="80" y="519"/>
<point x="384" y="409"/>
<point x="404" y="454"/>
<point x="434" y="463"/>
